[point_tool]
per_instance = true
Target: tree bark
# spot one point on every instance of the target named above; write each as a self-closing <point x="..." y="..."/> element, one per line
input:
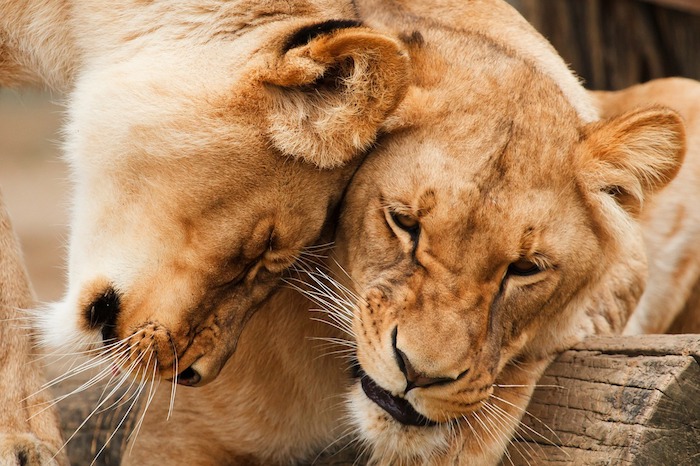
<point x="615" y="400"/>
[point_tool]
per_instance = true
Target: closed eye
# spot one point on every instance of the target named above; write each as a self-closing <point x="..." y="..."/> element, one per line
<point x="238" y="278"/>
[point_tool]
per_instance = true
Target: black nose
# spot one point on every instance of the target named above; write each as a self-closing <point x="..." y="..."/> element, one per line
<point x="414" y="378"/>
<point x="103" y="312"/>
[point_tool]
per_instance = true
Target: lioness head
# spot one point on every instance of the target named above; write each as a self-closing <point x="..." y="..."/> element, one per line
<point x="203" y="168"/>
<point x="494" y="229"/>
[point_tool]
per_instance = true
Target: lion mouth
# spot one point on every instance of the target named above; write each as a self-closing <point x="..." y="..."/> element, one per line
<point x="399" y="408"/>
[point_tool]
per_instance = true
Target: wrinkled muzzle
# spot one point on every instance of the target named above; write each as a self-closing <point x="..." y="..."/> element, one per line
<point x="184" y="334"/>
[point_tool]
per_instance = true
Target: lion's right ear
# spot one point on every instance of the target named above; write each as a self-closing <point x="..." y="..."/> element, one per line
<point x="633" y="155"/>
<point x="332" y="87"/>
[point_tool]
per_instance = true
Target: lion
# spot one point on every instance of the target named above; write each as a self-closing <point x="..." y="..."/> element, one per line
<point x="506" y="221"/>
<point x="210" y="142"/>
<point x="498" y="221"/>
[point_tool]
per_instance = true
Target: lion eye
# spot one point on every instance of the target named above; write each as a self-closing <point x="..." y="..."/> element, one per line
<point x="405" y="222"/>
<point x="523" y="268"/>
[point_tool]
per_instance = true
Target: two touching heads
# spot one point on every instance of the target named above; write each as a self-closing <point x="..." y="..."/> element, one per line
<point x="198" y="186"/>
<point x="472" y="219"/>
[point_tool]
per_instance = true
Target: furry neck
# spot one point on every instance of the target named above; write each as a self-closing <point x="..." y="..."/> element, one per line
<point x="36" y="44"/>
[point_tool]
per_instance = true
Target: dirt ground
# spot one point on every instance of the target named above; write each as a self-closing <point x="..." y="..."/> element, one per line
<point x="33" y="179"/>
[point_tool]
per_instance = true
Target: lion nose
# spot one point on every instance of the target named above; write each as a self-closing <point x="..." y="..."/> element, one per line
<point x="415" y="378"/>
<point x="102" y="313"/>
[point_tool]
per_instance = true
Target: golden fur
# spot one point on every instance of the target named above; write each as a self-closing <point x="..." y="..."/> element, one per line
<point x="671" y="221"/>
<point x="512" y="232"/>
<point x="209" y="143"/>
<point x="498" y="227"/>
<point x="29" y="435"/>
<point x="497" y="155"/>
<point x="494" y="155"/>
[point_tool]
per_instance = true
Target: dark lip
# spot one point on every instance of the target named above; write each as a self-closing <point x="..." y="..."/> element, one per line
<point x="399" y="408"/>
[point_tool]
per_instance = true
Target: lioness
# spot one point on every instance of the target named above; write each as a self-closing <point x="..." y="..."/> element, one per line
<point x="209" y="143"/>
<point x="496" y="224"/>
<point x="505" y="226"/>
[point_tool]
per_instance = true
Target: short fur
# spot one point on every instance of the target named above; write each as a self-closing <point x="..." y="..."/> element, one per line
<point x="671" y="220"/>
<point x="498" y="155"/>
<point x="29" y="434"/>
<point x="208" y="149"/>
<point x="501" y="225"/>
<point x="495" y="153"/>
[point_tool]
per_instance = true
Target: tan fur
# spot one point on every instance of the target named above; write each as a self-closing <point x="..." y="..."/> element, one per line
<point x="494" y="152"/>
<point x="27" y="434"/>
<point x="209" y="143"/>
<point x="277" y="400"/>
<point x="192" y="177"/>
<point x="497" y="165"/>
<point x="489" y="155"/>
<point x="671" y="221"/>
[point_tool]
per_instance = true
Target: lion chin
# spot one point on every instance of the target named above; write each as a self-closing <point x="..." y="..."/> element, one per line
<point x="393" y="441"/>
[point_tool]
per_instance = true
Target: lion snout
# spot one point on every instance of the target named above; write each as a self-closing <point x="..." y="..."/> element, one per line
<point x="415" y="377"/>
<point x="427" y="358"/>
<point x="154" y="351"/>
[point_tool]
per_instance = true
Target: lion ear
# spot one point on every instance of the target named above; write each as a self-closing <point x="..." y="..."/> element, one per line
<point x="633" y="155"/>
<point x="332" y="87"/>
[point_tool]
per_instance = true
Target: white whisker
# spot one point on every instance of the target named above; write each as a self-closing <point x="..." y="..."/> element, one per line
<point x="171" y="407"/>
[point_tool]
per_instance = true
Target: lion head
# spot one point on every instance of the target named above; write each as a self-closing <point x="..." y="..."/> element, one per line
<point x="493" y="229"/>
<point x="206" y="156"/>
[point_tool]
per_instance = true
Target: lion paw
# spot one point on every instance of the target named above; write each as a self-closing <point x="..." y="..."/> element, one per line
<point x="25" y="450"/>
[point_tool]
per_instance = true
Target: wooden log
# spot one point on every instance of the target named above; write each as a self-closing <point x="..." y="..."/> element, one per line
<point x="614" y="400"/>
<point x="608" y="401"/>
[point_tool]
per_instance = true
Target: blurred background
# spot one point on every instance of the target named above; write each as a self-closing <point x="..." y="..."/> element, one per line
<point x="33" y="180"/>
<point x="611" y="44"/>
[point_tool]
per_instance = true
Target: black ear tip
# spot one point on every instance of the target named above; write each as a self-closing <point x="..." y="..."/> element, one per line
<point x="306" y="34"/>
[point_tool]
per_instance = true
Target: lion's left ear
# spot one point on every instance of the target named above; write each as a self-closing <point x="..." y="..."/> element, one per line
<point x="332" y="87"/>
<point x="633" y="155"/>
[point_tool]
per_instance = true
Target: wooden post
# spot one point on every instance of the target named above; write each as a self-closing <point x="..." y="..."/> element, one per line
<point x="608" y="401"/>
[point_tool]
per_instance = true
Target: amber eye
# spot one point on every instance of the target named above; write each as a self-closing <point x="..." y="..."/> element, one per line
<point x="405" y="222"/>
<point x="523" y="268"/>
